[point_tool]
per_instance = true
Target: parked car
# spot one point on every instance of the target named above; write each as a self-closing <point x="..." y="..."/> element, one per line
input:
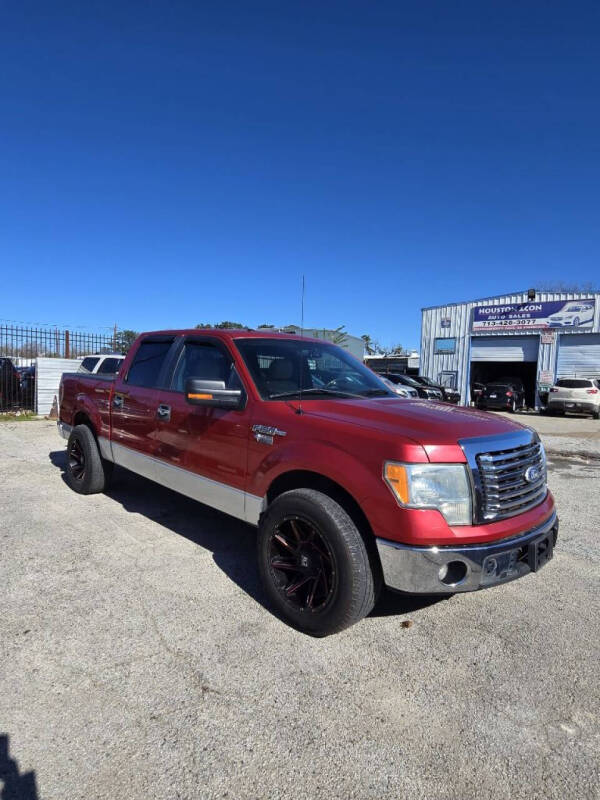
<point x="349" y="488"/>
<point x="476" y="391"/>
<point x="10" y="385"/>
<point x="27" y="386"/>
<point x="426" y="392"/>
<point x="573" y="314"/>
<point x="577" y="395"/>
<point x="449" y="394"/>
<point x="106" y="364"/>
<point x="502" y="395"/>
<point x="398" y="388"/>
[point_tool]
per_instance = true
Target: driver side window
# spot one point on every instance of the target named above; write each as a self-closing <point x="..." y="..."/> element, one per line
<point x="207" y="362"/>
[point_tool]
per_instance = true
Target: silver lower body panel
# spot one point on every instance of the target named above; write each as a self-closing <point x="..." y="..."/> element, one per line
<point x="430" y="570"/>
<point x="64" y="430"/>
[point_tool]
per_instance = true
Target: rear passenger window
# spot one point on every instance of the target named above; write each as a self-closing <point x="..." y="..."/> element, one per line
<point x="148" y="362"/>
<point x="205" y="361"/>
<point x="88" y="364"/>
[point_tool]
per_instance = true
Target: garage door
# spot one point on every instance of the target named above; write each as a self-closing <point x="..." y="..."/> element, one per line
<point x="579" y="354"/>
<point x="504" y="348"/>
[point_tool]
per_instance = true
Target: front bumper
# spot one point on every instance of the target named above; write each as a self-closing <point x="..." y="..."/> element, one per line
<point x="443" y="570"/>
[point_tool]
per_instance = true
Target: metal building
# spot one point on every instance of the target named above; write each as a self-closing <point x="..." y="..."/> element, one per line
<point x="534" y="336"/>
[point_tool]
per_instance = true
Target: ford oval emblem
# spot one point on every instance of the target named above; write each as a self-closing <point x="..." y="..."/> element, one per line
<point x="532" y="474"/>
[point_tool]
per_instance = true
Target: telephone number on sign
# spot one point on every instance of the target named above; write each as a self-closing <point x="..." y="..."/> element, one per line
<point x="510" y="323"/>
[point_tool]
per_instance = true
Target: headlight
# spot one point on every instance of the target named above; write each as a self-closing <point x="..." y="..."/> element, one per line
<point x="444" y="487"/>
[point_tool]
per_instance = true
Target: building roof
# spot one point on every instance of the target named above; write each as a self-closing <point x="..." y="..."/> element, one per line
<point x="503" y="297"/>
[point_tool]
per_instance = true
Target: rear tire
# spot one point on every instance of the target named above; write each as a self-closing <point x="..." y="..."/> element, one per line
<point x="596" y="414"/>
<point x="87" y="472"/>
<point x="314" y="563"/>
<point x="513" y="406"/>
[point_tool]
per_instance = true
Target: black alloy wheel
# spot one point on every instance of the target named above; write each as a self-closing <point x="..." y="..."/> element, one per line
<point x="87" y="472"/>
<point x="302" y="565"/>
<point x="320" y="572"/>
<point x="76" y="460"/>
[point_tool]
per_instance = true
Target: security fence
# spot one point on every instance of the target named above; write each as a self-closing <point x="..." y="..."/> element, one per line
<point x="21" y="347"/>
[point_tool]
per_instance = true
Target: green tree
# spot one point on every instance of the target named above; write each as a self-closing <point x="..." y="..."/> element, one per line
<point x="124" y="339"/>
<point x="225" y="325"/>
<point x="264" y="325"/>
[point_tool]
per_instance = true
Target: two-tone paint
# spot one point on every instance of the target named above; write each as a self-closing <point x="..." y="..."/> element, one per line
<point x="215" y="455"/>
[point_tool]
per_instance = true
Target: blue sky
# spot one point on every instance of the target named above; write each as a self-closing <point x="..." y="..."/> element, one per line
<point x="169" y="163"/>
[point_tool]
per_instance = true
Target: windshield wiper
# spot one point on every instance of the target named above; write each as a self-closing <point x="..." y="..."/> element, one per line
<point x="314" y="390"/>
<point x="376" y="393"/>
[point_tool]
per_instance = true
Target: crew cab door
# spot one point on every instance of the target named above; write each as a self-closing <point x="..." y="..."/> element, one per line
<point x="135" y="403"/>
<point x="202" y="451"/>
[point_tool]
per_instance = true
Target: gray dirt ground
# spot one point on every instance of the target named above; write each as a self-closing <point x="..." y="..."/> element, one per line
<point x="138" y="659"/>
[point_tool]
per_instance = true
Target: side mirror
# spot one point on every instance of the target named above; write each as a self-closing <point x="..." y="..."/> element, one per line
<point x="212" y="393"/>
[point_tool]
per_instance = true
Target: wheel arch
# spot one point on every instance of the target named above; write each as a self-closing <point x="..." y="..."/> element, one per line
<point x="307" y="479"/>
<point x="83" y="418"/>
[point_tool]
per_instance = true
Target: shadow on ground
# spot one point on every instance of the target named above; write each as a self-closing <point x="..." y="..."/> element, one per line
<point x="15" y="785"/>
<point x="232" y="542"/>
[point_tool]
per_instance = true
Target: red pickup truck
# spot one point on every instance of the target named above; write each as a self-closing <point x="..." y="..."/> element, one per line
<point x="351" y="487"/>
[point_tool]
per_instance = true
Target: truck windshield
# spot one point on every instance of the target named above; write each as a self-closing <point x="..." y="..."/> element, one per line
<point x="283" y="368"/>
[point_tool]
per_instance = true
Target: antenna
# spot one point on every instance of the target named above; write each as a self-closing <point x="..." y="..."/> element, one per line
<point x="301" y="361"/>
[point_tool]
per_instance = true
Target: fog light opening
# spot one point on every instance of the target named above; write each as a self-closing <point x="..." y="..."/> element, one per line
<point x="453" y="573"/>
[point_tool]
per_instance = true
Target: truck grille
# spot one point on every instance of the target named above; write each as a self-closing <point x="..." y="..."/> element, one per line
<point x="512" y="480"/>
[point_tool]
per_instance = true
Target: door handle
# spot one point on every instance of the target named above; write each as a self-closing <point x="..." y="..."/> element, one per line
<point x="163" y="412"/>
<point x="118" y="401"/>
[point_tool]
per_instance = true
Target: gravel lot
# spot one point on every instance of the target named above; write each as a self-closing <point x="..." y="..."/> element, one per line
<point x="138" y="659"/>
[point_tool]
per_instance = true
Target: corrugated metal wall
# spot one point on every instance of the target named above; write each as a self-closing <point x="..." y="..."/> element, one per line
<point x="579" y="356"/>
<point x="504" y="348"/>
<point x="48" y="373"/>
<point x="460" y="316"/>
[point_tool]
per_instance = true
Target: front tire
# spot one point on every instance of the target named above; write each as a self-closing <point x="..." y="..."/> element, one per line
<point x="314" y="563"/>
<point x="87" y="472"/>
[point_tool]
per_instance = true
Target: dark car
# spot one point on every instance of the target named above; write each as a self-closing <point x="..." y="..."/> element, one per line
<point x="427" y="392"/>
<point x="27" y="385"/>
<point x="502" y="395"/>
<point x="448" y="394"/>
<point x="10" y="384"/>
<point x="476" y="391"/>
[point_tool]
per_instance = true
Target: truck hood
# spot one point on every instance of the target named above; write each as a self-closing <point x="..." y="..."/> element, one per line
<point x="424" y="421"/>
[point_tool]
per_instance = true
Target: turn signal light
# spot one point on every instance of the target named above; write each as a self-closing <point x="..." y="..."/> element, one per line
<point x="200" y="396"/>
<point x="592" y="391"/>
<point x="395" y="475"/>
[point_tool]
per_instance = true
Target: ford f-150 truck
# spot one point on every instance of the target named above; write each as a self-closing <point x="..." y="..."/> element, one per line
<point x="350" y="486"/>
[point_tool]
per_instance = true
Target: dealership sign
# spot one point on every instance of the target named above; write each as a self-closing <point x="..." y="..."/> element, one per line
<point x="523" y="316"/>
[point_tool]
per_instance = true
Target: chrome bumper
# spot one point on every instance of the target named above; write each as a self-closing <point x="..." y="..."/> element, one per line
<point x="64" y="430"/>
<point x="443" y="570"/>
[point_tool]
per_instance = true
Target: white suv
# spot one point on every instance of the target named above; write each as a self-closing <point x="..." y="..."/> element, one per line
<point x="105" y="364"/>
<point x="580" y="395"/>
